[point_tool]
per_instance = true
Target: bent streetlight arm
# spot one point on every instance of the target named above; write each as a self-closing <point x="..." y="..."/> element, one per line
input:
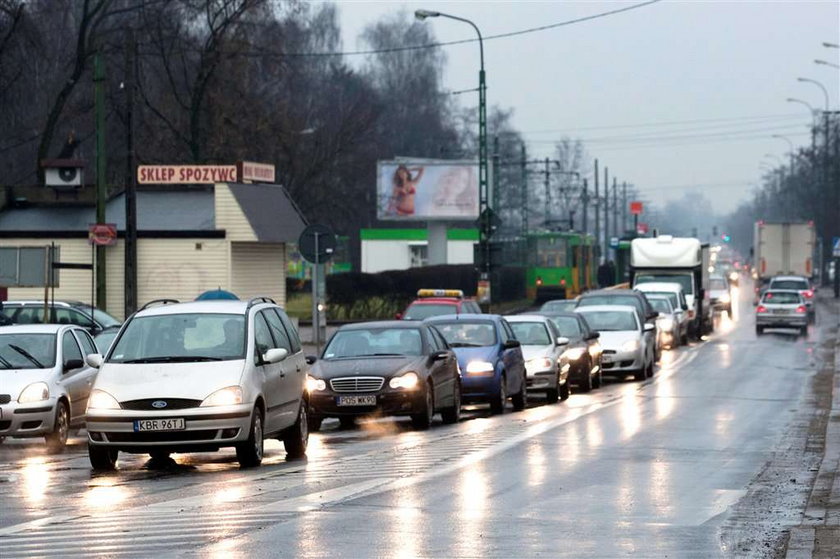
<point x="818" y="84"/>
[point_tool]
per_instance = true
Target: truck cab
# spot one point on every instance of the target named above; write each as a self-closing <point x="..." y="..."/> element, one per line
<point x="680" y="260"/>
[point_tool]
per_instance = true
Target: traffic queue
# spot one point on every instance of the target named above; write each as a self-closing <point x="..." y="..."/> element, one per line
<point x="204" y="375"/>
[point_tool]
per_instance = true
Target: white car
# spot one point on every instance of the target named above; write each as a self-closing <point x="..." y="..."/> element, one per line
<point x="719" y="294"/>
<point x="667" y="324"/>
<point x="46" y="383"/>
<point x="625" y="346"/>
<point x="546" y="367"/>
<point x="190" y="377"/>
<point x="675" y="293"/>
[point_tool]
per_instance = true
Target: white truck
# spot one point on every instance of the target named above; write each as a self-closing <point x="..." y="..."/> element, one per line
<point x="681" y="260"/>
<point x="783" y="249"/>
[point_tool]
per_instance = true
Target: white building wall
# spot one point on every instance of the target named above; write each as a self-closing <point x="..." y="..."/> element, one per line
<point x="460" y="252"/>
<point x="259" y="269"/>
<point x="378" y="256"/>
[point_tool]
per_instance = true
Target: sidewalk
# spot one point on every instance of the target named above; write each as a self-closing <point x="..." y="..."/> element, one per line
<point x="818" y="534"/>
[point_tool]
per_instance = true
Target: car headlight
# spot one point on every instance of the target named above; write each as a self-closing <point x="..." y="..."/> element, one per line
<point x="35" y="392"/>
<point x="101" y="400"/>
<point x="408" y="381"/>
<point x="229" y="396"/>
<point x="724" y="298"/>
<point x="733" y="276"/>
<point x="538" y="364"/>
<point x="315" y="384"/>
<point x="574" y="353"/>
<point x="480" y="368"/>
<point x="630" y="345"/>
<point x="666" y="323"/>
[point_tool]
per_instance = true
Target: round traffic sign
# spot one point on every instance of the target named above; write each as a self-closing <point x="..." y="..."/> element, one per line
<point x="317" y="235"/>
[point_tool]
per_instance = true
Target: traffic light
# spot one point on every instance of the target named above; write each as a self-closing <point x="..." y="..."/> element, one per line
<point x="725" y="237"/>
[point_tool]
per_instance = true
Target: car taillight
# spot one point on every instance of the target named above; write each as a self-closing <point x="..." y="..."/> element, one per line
<point x="808" y="294"/>
<point x="801" y="309"/>
<point x="761" y="308"/>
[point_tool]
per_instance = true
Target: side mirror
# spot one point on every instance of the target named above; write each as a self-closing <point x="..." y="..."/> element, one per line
<point x="512" y="344"/>
<point x="593" y="336"/>
<point x="94" y="360"/>
<point x="438" y="355"/>
<point x="71" y="364"/>
<point x="649" y="327"/>
<point x="274" y="355"/>
<point x="685" y="307"/>
<point x="562" y="340"/>
<point x="310" y="359"/>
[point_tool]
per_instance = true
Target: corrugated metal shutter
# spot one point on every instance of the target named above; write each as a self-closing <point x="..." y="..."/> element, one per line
<point x="259" y="269"/>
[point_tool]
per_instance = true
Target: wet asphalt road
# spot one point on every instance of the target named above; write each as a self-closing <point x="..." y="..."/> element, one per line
<point x="663" y="468"/>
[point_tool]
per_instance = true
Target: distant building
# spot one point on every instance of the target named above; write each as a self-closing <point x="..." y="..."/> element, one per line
<point x="232" y="236"/>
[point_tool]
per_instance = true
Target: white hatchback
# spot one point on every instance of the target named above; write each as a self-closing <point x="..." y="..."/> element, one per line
<point x="191" y="377"/>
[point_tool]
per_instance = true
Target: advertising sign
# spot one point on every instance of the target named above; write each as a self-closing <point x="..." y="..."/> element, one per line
<point x="185" y="174"/>
<point x="427" y="190"/>
<point x="636" y="208"/>
<point x="255" y="172"/>
<point x="102" y="234"/>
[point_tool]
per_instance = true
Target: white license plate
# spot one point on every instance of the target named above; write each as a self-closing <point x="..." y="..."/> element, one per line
<point x="177" y="424"/>
<point x="356" y="400"/>
<point x="781" y="311"/>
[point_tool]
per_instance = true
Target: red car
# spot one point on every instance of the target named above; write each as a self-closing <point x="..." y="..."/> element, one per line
<point x="437" y="302"/>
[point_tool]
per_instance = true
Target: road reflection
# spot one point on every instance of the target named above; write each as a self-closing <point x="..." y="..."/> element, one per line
<point x="105" y="494"/>
<point x="472" y="506"/>
<point x="36" y="479"/>
<point x="536" y="463"/>
<point x="407" y="518"/>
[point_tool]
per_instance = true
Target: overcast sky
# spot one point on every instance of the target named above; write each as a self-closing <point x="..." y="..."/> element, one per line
<point x="672" y="97"/>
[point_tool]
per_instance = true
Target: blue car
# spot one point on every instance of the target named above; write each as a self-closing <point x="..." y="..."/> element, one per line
<point x="490" y="358"/>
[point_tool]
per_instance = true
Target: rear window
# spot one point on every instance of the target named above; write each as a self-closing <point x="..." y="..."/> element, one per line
<point x="660" y="305"/>
<point x="686" y="281"/>
<point x="717" y="284"/>
<point x="781" y="298"/>
<point x="531" y="333"/>
<point x="789" y="284"/>
<point x="417" y="311"/>
<point x="610" y="300"/>
<point x="610" y="321"/>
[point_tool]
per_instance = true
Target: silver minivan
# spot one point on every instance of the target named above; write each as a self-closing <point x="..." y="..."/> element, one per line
<point x="44" y="381"/>
<point x="199" y="376"/>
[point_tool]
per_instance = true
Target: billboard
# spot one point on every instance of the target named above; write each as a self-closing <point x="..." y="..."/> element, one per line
<point x="427" y="190"/>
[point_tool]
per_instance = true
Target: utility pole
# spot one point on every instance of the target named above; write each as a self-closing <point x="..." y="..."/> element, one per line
<point x="101" y="187"/>
<point x="597" y="209"/>
<point x="547" y="194"/>
<point x="524" y="170"/>
<point x="606" y="213"/>
<point x="584" y="196"/>
<point x="130" y="178"/>
<point x="496" y="186"/>
<point x="616" y="226"/>
<point x="624" y="206"/>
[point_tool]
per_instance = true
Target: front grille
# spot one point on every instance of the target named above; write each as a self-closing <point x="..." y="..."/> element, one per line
<point x="5" y="398"/>
<point x="5" y="425"/>
<point x="171" y="404"/>
<point x="357" y="384"/>
<point x="163" y="437"/>
<point x="608" y="352"/>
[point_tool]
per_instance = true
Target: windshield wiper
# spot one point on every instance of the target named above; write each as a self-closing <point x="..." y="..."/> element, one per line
<point x="172" y="359"/>
<point x="27" y="355"/>
<point x="383" y="355"/>
<point x="6" y="363"/>
<point x="463" y="344"/>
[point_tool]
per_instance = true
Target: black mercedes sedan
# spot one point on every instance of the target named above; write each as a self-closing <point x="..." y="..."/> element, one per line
<point x="385" y="368"/>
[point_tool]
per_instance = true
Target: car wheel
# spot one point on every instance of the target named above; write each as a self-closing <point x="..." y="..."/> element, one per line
<point x="498" y="404"/>
<point x="296" y="438"/>
<point x="641" y="374"/>
<point x="553" y="394"/>
<point x="423" y="419"/>
<point x="347" y="421"/>
<point x="651" y="369"/>
<point x="453" y="414"/>
<point x="315" y="423"/>
<point x="564" y="391"/>
<point x="159" y="455"/>
<point x="804" y="330"/>
<point x="520" y="400"/>
<point x="57" y="439"/>
<point x="684" y="339"/>
<point x="102" y="458"/>
<point x="759" y="330"/>
<point x="598" y="381"/>
<point x="585" y="384"/>
<point x="2" y="439"/>
<point x="250" y="452"/>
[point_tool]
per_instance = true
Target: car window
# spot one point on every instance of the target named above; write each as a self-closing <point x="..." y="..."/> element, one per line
<point x="278" y="332"/>
<point x="359" y="342"/>
<point x="789" y="284"/>
<point x="86" y="342"/>
<point x="38" y="351"/>
<point x="568" y="326"/>
<point x="531" y="333"/>
<point x="432" y="341"/>
<point x="291" y="331"/>
<point x="70" y="347"/>
<point x="611" y="321"/>
<point x="425" y="310"/>
<point x="440" y="340"/>
<point x="509" y="333"/>
<point x="717" y="284"/>
<point x="661" y="305"/>
<point x="262" y="337"/>
<point x="467" y="334"/>
<point x="781" y="298"/>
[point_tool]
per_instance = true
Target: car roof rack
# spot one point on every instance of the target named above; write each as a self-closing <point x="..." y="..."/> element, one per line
<point x="257" y="300"/>
<point x="159" y="302"/>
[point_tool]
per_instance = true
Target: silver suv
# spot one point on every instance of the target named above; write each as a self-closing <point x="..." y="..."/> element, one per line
<point x="194" y="377"/>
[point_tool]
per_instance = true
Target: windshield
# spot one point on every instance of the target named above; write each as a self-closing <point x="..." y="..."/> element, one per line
<point x="661" y="305"/>
<point x="27" y="351"/>
<point x="686" y="281"/>
<point x="104" y="319"/>
<point x="420" y="311"/>
<point x="181" y="337"/>
<point x="611" y="321"/>
<point x="468" y="334"/>
<point x="781" y="298"/>
<point x="568" y="326"/>
<point x="531" y="333"/>
<point x="604" y="299"/>
<point x="717" y="284"/>
<point x="559" y="306"/>
<point x="789" y="284"/>
<point x="673" y="297"/>
<point x="103" y="341"/>
<point x="374" y="341"/>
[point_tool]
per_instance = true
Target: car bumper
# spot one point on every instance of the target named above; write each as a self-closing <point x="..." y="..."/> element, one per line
<point x="622" y="362"/>
<point x="541" y="381"/>
<point x="792" y="321"/>
<point x="205" y="429"/>
<point x="403" y="402"/>
<point x="27" y="420"/>
<point x="479" y="388"/>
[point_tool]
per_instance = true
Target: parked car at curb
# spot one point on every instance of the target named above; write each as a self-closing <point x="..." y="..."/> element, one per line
<point x="490" y="358"/>
<point x="45" y="381"/>
<point x="626" y="347"/>
<point x="543" y="348"/>
<point x="196" y="377"/>
<point x="386" y="368"/>
<point x="60" y="312"/>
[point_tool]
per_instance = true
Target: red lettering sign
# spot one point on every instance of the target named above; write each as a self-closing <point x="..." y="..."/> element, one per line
<point x="185" y="174"/>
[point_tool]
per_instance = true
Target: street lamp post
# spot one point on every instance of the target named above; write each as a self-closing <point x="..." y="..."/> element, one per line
<point x="484" y="215"/>
<point x="790" y="143"/>
<point x="826" y="63"/>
